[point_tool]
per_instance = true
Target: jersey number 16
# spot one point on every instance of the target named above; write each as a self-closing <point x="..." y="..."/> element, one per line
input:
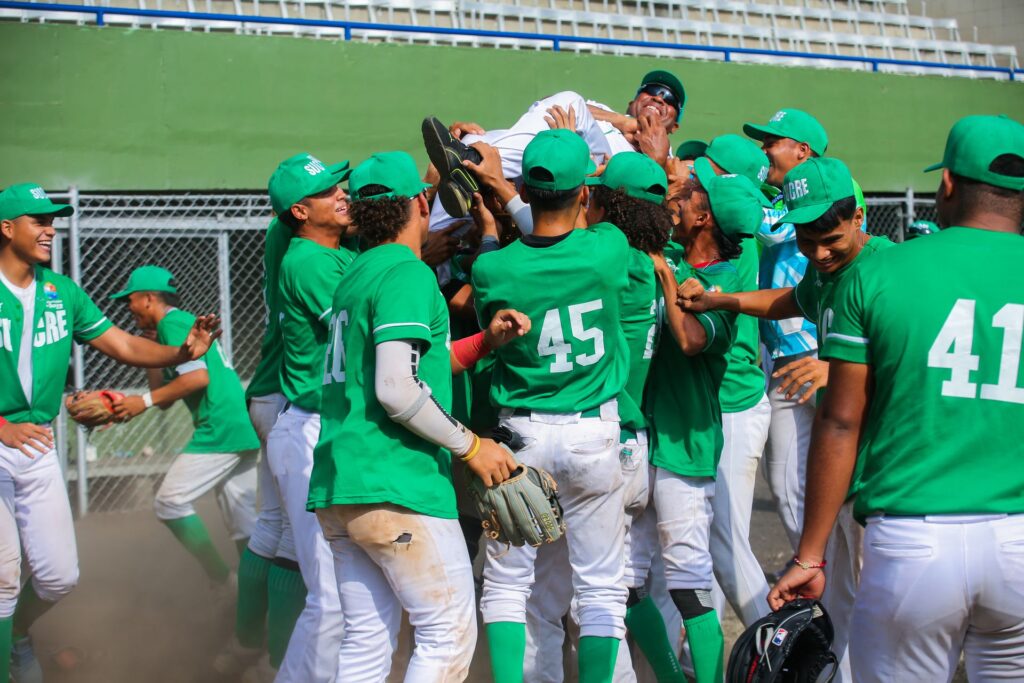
<point x="334" y="363"/>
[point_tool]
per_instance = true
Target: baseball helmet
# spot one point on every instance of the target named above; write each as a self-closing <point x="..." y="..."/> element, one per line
<point x="793" y="645"/>
<point x="920" y="229"/>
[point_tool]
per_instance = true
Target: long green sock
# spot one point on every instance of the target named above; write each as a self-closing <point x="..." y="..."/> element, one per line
<point x="30" y="607"/>
<point x="191" y="533"/>
<point x="647" y="627"/>
<point x="286" y="596"/>
<point x="251" y="613"/>
<point x="507" y="643"/>
<point x="707" y="647"/>
<point x="597" y="659"/>
<point x="6" y="640"/>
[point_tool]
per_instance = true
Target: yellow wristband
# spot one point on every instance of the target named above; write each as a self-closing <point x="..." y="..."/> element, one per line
<point x="472" y="451"/>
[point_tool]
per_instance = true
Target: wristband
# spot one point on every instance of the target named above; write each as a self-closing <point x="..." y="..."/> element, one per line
<point x="808" y="565"/>
<point x="472" y="451"/>
<point x="2" y="421"/>
<point x="147" y="399"/>
<point x="469" y="350"/>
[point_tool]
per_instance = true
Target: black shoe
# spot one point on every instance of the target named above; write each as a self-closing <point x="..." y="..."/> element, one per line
<point x="447" y="154"/>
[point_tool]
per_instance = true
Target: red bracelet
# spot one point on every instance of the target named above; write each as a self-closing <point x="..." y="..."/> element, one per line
<point x="469" y="350"/>
<point x="807" y="565"/>
<point x="2" y="421"/>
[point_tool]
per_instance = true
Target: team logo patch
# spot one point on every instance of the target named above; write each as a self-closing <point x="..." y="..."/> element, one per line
<point x="38" y="193"/>
<point x="714" y="288"/>
<point x="778" y="116"/>
<point x="315" y="166"/>
<point x="50" y="290"/>
<point x="762" y="174"/>
<point x="780" y="637"/>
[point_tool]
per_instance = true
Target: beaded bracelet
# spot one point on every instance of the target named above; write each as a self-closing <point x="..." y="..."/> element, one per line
<point x="807" y="565"/>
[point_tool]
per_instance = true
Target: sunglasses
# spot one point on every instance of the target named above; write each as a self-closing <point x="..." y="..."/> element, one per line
<point x="658" y="90"/>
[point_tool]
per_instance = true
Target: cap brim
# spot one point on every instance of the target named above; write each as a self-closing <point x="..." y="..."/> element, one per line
<point x="704" y="172"/>
<point x="805" y="214"/>
<point x="760" y="132"/>
<point x="122" y="294"/>
<point x="694" y="148"/>
<point x="935" y="167"/>
<point x="51" y="209"/>
<point x="342" y="170"/>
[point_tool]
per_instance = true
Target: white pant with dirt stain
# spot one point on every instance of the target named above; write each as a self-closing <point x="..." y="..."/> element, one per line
<point x="582" y="455"/>
<point x="232" y="476"/>
<point x="933" y="587"/>
<point x="272" y="536"/>
<point x="35" y="513"/>
<point x="313" y="650"/>
<point x="683" y="506"/>
<point x="390" y="559"/>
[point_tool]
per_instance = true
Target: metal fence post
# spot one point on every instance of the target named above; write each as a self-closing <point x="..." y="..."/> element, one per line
<point x="60" y="425"/>
<point x="910" y="214"/>
<point x="81" y="436"/>
<point x="224" y="275"/>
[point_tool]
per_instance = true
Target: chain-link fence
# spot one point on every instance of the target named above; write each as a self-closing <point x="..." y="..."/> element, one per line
<point x="213" y="244"/>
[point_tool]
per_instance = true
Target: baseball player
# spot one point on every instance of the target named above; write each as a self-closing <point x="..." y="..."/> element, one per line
<point x="682" y="401"/>
<point x="221" y="455"/>
<point x="557" y="387"/>
<point x="920" y="229"/>
<point x="942" y="495"/>
<point x="41" y="312"/>
<point x="307" y="195"/>
<point x="381" y="483"/>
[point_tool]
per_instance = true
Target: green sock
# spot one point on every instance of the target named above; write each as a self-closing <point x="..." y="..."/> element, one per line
<point x="286" y="596"/>
<point x="30" y="607"/>
<point x="507" y="643"/>
<point x="251" y="613"/>
<point x="191" y="533"/>
<point x="647" y="627"/>
<point x="707" y="647"/>
<point x="597" y="659"/>
<point x="6" y="640"/>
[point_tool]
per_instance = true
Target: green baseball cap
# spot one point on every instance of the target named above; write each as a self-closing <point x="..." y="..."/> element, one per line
<point x="736" y="203"/>
<point x="975" y="142"/>
<point x="736" y="154"/>
<point x="811" y="188"/>
<point x="556" y="160"/>
<point x="920" y="228"/>
<point x="301" y="176"/>
<point x="395" y="171"/>
<point x="793" y="124"/>
<point x="29" y="199"/>
<point x="148" y="279"/>
<point x="636" y="174"/>
<point x="668" y="80"/>
<point x="691" y="149"/>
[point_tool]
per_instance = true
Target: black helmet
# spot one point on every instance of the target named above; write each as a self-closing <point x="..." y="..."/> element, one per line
<point x="793" y="645"/>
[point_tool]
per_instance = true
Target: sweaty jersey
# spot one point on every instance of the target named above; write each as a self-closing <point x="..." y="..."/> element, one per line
<point x="640" y="327"/>
<point x="574" y="357"/>
<point x="219" y="417"/>
<point x="939" y="320"/>
<point x="744" y="382"/>
<point x="682" y="404"/>
<point x="62" y="312"/>
<point x="309" y="275"/>
<point x="267" y="377"/>
<point x="363" y="456"/>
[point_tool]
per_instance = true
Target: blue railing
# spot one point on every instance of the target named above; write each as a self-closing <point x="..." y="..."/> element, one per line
<point x="555" y="40"/>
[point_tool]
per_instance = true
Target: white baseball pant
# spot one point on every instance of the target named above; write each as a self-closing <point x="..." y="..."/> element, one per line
<point x="35" y="514"/>
<point x="272" y="536"/>
<point x="843" y="557"/>
<point x="581" y="454"/>
<point x="737" y="570"/>
<point x="388" y="558"/>
<point x="933" y="587"/>
<point x="312" y="654"/>
<point x="683" y="506"/>
<point x="231" y="475"/>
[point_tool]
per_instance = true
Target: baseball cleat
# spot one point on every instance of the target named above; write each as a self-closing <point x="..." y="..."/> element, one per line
<point x="25" y="667"/>
<point x="447" y="154"/>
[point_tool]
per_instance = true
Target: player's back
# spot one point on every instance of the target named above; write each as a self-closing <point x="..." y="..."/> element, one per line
<point x="940" y="321"/>
<point x="573" y="359"/>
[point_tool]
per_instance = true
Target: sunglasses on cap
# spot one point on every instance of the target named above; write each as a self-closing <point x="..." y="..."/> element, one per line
<point x="658" y="90"/>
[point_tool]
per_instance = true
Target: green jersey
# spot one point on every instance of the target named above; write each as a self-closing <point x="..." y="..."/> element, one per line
<point x="267" y="378"/>
<point x="309" y="275"/>
<point x="939" y="321"/>
<point x="815" y="292"/>
<point x="683" y="406"/>
<point x="744" y="382"/>
<point x="574" y="357"/>
<point x="219" y="416"/>
<point x="640" y="326"/>
<point x="363" y="456"/>
<point x="61" y="311"/>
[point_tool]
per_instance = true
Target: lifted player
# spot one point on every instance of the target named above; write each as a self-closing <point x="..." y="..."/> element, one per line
<point x="41" y="313"/>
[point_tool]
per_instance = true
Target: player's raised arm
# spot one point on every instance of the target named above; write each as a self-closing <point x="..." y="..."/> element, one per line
<point x="685" y="329"/>
<point x="141" y="352"/>
<point x="505" y="326"/>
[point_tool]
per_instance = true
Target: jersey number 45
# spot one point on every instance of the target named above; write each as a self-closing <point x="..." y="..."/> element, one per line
<point x="552" y="341"/>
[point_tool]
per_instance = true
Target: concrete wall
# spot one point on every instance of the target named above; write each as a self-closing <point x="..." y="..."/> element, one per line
<point x="999" y="22"/>
<point x="117" y="109"/>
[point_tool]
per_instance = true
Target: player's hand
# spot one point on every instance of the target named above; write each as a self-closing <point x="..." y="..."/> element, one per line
<point x="796" y="583"/>
<point x="128" y="407"/>
<point x="440" y="245"/>
<point x="483" y="217"/>
<point x="26" y="437"/>
<point x="493" y="463"/>
<point x="505" y="326"/>
<point x="460" y="128"/>
<point x="661" y="266"/>
<point x="691" y="296"/>
<point x="433" y="178"/>
<point x="651" y="138"/>
<point x="809" y="371"/>
<point x="560" y="118"/>
<point x="204" y="332"/>
<point x="489" y="170"/>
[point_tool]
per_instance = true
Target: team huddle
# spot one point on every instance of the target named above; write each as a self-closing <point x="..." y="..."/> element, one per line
<point x="571" y="305"/>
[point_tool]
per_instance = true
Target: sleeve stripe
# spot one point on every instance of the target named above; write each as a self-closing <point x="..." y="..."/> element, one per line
<point x="94" y="325"/>
<point x="325" y="314"/>
<point x="714" y="331"/>
<point x="847" y="338"/>
<point x="387" y="325"/>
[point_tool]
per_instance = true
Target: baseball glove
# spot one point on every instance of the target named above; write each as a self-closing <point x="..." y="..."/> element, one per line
<point x="92" y="408"/>
<point x="793" y="645"/>
<point x="523" y="509"/>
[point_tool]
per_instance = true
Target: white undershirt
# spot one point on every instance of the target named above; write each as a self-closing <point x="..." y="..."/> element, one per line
<point x="27" y="297"/>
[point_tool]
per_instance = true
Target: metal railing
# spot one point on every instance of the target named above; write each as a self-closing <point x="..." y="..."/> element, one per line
<point x="556" y="41"/>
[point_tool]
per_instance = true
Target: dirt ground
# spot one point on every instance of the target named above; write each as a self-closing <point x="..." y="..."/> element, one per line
<point x="144" y="611"/>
